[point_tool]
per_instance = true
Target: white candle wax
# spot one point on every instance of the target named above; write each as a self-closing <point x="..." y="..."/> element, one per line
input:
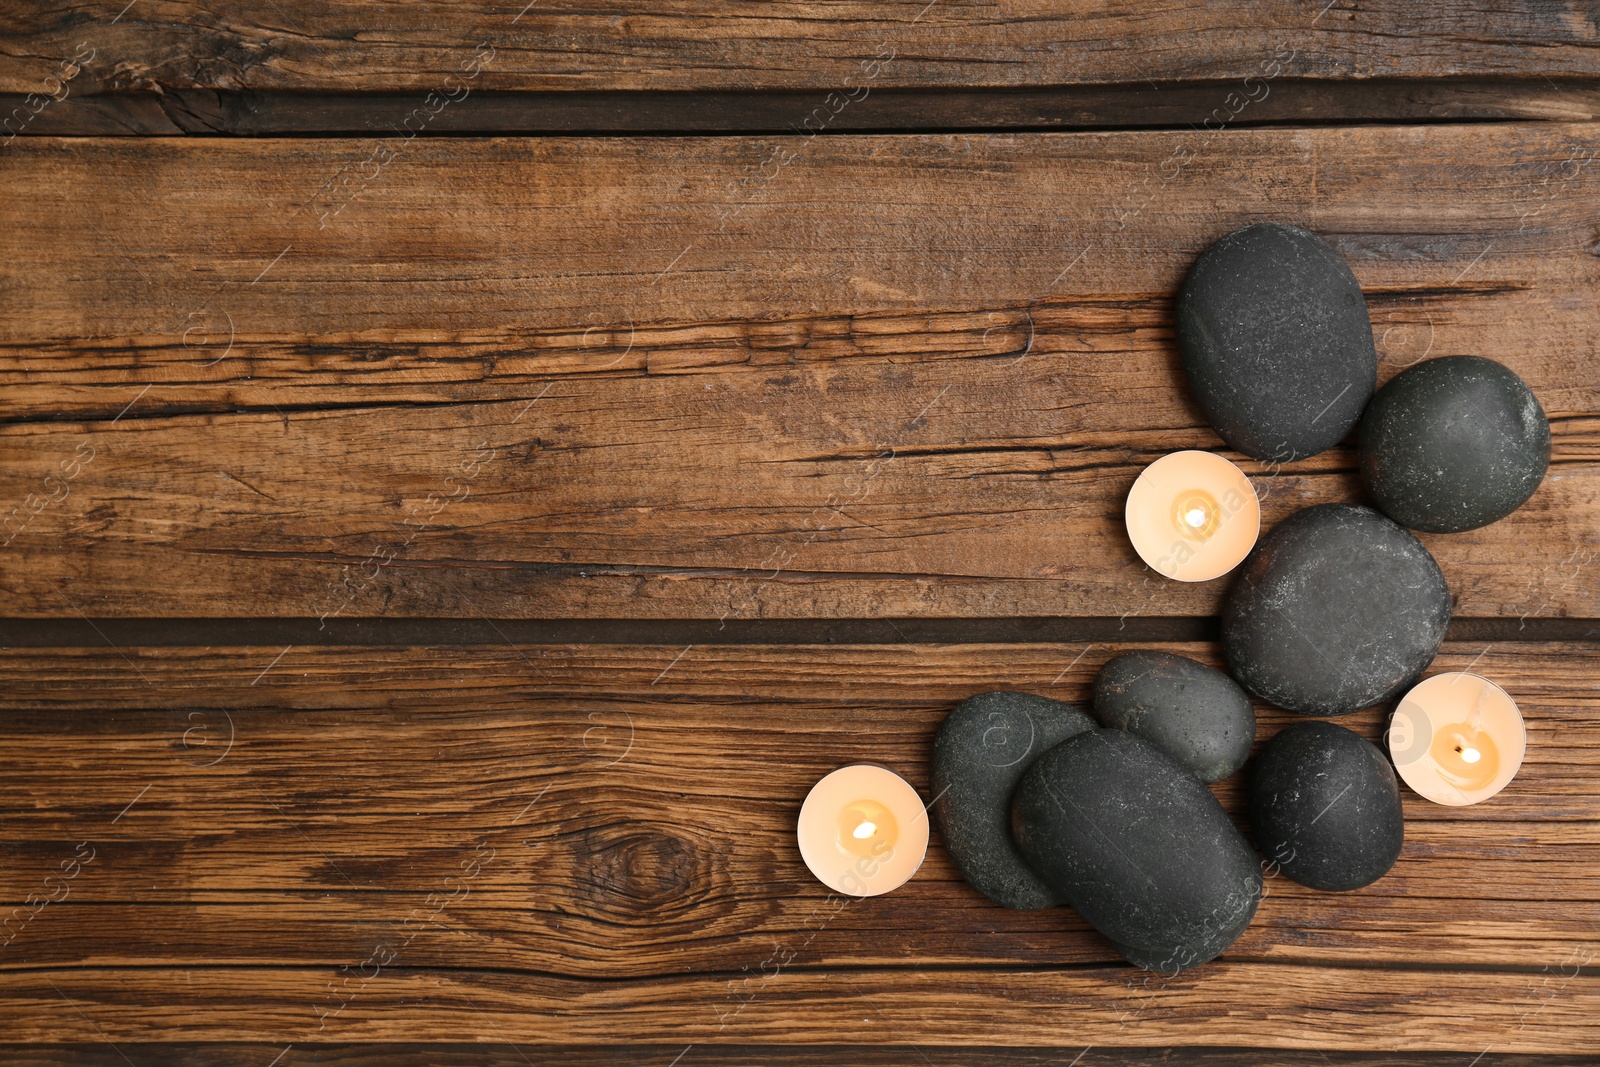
<point x="1192" y="516"/>
<point x="1457" y="739"/>
<point x="863" y="830"/>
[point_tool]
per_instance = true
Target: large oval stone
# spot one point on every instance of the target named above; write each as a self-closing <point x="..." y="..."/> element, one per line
<point x="1194" y="713"/>
<point x="1335" y="609"/>
<point x="1276" y="342"/>
<point x="1139" y="846"/>
<point x="981" y="751"/>
<point x="1325" y="807"/>
<point x="1453" y="444"/>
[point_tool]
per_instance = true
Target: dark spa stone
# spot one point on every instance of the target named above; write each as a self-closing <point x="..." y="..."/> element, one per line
<point x="1276" y="342"/>
<point x="1334" y="610"/>
<point x="1453" y="444"/>
<point x="1205" y="945"/>
<point x="1139" y="846"/>
<point x="986" y="744"/>
<point x="1325" y="807"/>
<point x="1194" y="713"/>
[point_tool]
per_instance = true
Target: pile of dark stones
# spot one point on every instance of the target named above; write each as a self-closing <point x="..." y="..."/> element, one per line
<point x="1338" y="607"/>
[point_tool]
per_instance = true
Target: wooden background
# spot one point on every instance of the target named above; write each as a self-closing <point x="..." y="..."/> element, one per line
<point x="466" y="470"/>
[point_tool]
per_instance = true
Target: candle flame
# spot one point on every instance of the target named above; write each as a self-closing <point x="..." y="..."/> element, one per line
<point x="864" y="830"/>
<point x="1471" y="755"/>
<point x="1195" y="517"/>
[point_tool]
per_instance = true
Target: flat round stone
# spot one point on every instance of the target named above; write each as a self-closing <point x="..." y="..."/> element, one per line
<point x="1139" y="846"/>
<point x="1325" y="807"/>
<point x="1336" y="609"/>
<point x="981" y="751"/>
<point x="1276" y="341"/>
<point x="1194" y="713"/>
<point x="1453" y="444"/>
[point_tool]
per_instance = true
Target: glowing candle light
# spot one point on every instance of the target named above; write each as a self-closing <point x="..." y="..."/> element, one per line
<point x="863" y="830"/>
<point x="1457" y="739"/>
<point x="1193" y="516"/>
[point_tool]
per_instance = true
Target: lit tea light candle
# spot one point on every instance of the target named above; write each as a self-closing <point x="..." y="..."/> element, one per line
<point x="863" y="830"/>
<point x="1457" y="739"/>
<point x="1193" y="516"/>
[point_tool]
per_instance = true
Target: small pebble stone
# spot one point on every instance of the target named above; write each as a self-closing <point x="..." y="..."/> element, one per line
<point x="981" y="751"/>
<point x="1194" y="713"/>
<point x="1325" y="807"/>
<point x="1335" y="609"/>
<point x="1139" y="846"/>
<point x="1276" y="342"/>
<point x="1453" y="444"/>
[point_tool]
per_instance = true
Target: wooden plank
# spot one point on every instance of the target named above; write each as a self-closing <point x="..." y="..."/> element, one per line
<point x="489" y="1054"/>
<point x="1266" y="1006"/>
<point x="350" y="45"/>
<point x="625" y="814"/>
<point x="937" y="397"/>
<point x="490" y="245"/>
<point x="477" y="511"/>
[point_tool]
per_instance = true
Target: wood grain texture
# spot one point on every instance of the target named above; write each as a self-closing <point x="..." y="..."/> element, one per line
<point x="480" y="385"/>
<point x="350" y="45"/>
<point x="489" y="1054"/>
<point x="910" y="376"/>
<point x="383" y="250"/>
<point x="1267" y="1007"/>
<point x="589" y="843"/>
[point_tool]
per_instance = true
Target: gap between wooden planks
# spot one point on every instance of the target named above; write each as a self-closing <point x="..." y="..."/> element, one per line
<point x="1308" y="101"/>
<point x="905" y="376"/>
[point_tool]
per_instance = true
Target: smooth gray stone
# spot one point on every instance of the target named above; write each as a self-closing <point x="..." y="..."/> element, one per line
<point x="1194" y="713"/>
<point x="1325" y="807"/>
<point x="1453" y="444"/>
<point x="1138" y="845"/>
<point x="1336" y="609"/>
<point x="1276" y="342"/>
<point x="986" y="744"/>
